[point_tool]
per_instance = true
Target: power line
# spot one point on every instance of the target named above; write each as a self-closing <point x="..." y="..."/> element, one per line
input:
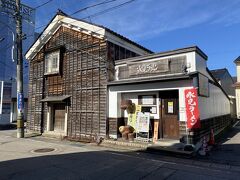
<point x="43" y="4"/>
<point x="94" y="5"/>
<point x="83" y="9"/>
<point x="99" y="13"/>
<point x="109" y="9"/>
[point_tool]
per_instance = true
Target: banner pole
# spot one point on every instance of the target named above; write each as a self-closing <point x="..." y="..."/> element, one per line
<point x="187" y="133"/>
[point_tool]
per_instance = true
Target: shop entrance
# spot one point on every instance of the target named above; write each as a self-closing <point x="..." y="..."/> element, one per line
<point x="169" y="123"/>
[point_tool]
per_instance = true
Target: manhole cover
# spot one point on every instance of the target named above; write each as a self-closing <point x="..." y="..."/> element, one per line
<point x="44" y="150"/>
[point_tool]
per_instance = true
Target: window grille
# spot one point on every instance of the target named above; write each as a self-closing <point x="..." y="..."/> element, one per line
<point x="52" y="62"/>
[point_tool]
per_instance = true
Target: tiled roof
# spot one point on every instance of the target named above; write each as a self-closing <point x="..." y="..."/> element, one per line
<point x="218" y="73"/>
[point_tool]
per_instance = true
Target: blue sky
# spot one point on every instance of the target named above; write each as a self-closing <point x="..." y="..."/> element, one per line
<point x="160" y="25"/>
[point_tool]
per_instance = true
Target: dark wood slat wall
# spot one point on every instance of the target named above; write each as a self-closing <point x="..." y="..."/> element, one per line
<point x="84" y="77"/>
<point x="35" y="93"/>
<point x="87" y="64"/>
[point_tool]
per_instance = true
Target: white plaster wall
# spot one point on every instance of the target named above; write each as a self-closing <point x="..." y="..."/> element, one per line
<point x="114" y="100"/>
<point x="201" y="65"/>
<point x="238" y="92"/>
<point x="182" y="105"/>
<point x="238" y="72"/>
<point x="191" y="62"/>
<point x="216" y="104"/>
<point x="238" y="102"/>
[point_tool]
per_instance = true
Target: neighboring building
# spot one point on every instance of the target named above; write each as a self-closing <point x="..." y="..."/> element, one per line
<point x="158" y="83"/>
<point x="234" y="80"/>
<point x="80" y="73"/>
<point x="70" y="65"/>
<point x="8" y="108"/>
<point x="225" y="79"/>
<point x="237" y="86"/>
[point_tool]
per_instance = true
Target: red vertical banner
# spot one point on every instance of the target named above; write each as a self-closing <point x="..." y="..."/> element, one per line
<point x="192" y="111"/>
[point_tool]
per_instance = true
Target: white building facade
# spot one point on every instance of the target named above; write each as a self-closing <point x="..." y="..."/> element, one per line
<point x="157" y="83"/>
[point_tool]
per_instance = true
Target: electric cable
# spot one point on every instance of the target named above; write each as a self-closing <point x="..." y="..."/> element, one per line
<point x="94" y="5"/>
<point x="98" y="13"/>
<point x="41" y="5"/>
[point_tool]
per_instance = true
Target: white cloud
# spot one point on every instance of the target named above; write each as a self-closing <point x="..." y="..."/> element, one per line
<point x="147" y="18"/>
<point x="144" y="19"/>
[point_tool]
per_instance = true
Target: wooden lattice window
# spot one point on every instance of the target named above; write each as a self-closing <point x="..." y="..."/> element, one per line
<point x="52" y="62"/>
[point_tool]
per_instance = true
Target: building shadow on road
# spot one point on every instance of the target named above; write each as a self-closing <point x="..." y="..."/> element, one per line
<point x="98" y="165"/>
<point x="227" y="148"/>
<point x="82" y="165"/>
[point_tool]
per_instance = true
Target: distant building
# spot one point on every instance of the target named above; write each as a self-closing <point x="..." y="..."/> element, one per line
<point x="237" y="86"/>
<point x="234" y="80"/>
<point x="8" y="106"/>
<point x="225" y="79"/>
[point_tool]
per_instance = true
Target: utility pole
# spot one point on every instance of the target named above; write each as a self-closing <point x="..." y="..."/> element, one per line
<point x="20" y="98"/>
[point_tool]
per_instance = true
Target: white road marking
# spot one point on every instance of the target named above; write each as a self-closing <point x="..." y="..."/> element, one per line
<point x="171" y="163"/>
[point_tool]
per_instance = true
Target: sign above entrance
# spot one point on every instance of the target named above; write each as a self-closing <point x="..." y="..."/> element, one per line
<point x="149" y="67"/>
<point x="192" y="111"/>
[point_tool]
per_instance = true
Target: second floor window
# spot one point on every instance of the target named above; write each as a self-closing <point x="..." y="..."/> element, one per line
<point x="52" y="62"/>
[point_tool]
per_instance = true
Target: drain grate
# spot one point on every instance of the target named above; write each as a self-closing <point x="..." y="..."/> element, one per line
<point x="44" y="150"/>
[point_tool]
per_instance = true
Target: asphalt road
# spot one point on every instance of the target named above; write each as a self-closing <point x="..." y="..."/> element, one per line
<point x="83" y="161"/>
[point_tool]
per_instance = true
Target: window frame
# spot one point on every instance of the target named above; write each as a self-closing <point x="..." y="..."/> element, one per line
<point x="46" y="59"/>
<point x="152" y="105"/>
<point x="141" y="97"/>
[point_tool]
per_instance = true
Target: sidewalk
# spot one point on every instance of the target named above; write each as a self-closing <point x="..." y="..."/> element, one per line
<point x="227" y="151"/>
<point x="12" y="148"/>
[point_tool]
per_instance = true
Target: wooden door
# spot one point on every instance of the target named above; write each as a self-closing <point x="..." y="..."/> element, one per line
<point x="170" y="123"/>
<point x="59" y="117"/>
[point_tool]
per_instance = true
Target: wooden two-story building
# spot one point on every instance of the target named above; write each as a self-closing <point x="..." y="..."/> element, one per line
<point x="70" y="65"/>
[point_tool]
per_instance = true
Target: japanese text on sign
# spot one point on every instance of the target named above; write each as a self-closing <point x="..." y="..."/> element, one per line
<point x="20" y="102"/>
<point x="192" y="111"/>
